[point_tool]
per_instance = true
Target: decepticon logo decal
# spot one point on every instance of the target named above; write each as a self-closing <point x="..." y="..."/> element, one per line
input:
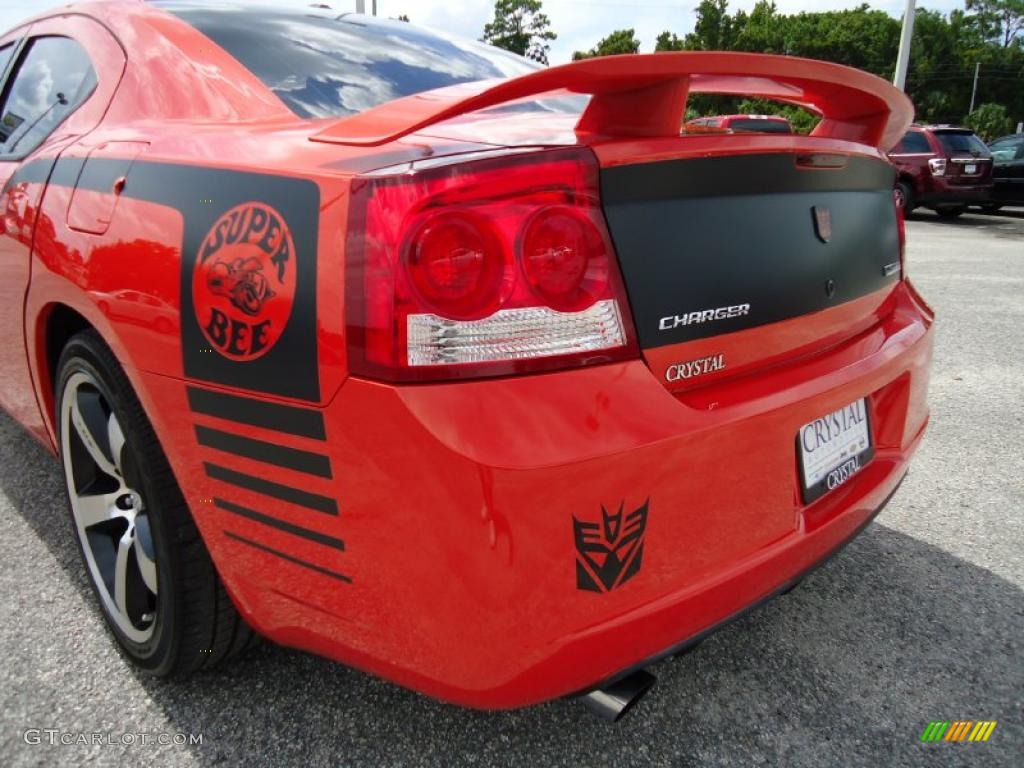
<point x="610" y="552"/>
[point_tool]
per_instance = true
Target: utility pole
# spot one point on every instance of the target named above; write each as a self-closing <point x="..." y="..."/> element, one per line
<point x="974" y="90"/>
<point x="360" y="6"/>
<point x="903" y="59"/>
<point x="374" y="7"/>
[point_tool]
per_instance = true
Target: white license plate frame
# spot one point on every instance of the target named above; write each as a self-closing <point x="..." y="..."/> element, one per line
<point x="832" y="462"/>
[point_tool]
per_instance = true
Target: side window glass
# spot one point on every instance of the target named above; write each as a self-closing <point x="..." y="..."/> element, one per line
<point x="52" y="78"/>
<point x="915" y="142"/>
<point x="5" y="57"/>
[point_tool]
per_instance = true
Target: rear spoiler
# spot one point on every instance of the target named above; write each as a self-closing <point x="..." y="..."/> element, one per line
<point x="644" y="95"/>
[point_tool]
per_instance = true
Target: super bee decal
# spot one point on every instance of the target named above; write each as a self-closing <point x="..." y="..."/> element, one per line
<point x="610" y="552"/>
<point x="243" y="284"/>
<point x="248" y="251"/>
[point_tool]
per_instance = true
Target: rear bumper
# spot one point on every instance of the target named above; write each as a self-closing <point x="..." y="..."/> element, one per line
<point x="940" y="191"/>
<point x="690" y="642"/>
<point x="457" y="507"/>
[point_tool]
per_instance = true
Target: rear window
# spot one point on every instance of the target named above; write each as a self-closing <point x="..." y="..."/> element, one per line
<point x="961" y="142"/>
<point x="760" y="126"/>
<point x="322" y="66"/>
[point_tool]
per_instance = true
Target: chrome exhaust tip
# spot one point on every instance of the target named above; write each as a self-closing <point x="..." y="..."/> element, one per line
<point x="614" y="700"/>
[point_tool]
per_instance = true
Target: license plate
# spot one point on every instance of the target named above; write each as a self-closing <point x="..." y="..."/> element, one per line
<point x="970" y="168"/>
<point x="834" y="448"/>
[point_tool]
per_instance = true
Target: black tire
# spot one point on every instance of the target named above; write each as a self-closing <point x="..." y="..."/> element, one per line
<point x="991" y="207"/>
<point x="193" y="624"/>
<point x="905" y="197"/>
<point x="950" y="211"/>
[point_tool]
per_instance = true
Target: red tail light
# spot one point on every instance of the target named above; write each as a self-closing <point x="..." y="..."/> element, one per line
<point x="901" y="227"/>
<point x="483" y="268"/>
<point x="456" y="264"/>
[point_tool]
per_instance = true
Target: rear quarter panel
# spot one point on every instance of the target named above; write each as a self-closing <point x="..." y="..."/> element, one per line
<point x="134" y="282"/>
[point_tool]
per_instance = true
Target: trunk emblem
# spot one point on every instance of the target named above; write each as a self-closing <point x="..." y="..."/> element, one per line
<point x="822" y="222"/>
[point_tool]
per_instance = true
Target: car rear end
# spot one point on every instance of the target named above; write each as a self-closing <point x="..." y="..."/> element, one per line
<point x="732" y="388"/>
<point x="607" y="386"/>
<point x="961" y="171"/>
<point x="606" y="395"/>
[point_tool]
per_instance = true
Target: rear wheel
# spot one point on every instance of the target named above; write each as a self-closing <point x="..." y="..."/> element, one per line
<point x="950" y="211"/>
<point x="156" y="584"/>
<point x="905" y="197"/>
<point x="991" y="207"/>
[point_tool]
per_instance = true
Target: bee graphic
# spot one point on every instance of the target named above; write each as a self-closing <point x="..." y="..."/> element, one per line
<point x="242" y="281"/>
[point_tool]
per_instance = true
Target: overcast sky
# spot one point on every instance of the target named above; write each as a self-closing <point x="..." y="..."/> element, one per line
<point x="579" y="23"/>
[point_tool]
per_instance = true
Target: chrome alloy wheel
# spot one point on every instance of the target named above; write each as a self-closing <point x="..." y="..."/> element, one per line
<point x="109" y="511"/>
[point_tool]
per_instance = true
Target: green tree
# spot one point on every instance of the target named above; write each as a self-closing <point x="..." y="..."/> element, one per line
<point x="990" y="121"/>
<point x="763" y="30"/>
<point x="619" y="41"/>
<point x="520" y="26"/>
<point x="1000" y="20"/>
<point x="668" y="41"/>
<point x="714" y="29"/>
<point x="942" y="61"/>
<point x="945" y="51"/>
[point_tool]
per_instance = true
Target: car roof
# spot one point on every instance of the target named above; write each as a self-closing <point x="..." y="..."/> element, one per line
<point x="947" y="128"/>
<point x="755" y="117"/>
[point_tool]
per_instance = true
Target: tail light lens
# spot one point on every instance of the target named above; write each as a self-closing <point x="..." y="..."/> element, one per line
<point x="483" y="268"/>
<point x="937" y="165"/>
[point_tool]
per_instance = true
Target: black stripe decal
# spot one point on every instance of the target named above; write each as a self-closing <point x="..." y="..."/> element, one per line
<point x="69" y="170"/>
<point x="36" y="172"/>
<point x="301" y="422"/>
<point x="281" y="525"/>
<point x="289" y="558"/>
<point x="283" y="492"/>
<point x="202" y="195"/>
<point x="289" y="458"/>
<point x="710" y="246"/>
<point x="767" y="174"/>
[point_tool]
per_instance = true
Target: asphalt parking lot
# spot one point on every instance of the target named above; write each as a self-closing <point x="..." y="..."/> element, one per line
<point x="921" y="618"/>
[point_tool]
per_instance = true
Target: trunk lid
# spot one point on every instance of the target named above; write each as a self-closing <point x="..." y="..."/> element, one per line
<point x="714" y="250"/>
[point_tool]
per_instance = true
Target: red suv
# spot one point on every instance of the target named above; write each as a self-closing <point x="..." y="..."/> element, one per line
<point x="942" y="167"/>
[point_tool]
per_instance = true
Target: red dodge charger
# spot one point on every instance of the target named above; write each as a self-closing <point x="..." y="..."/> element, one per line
<point x="400" y="349"/>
